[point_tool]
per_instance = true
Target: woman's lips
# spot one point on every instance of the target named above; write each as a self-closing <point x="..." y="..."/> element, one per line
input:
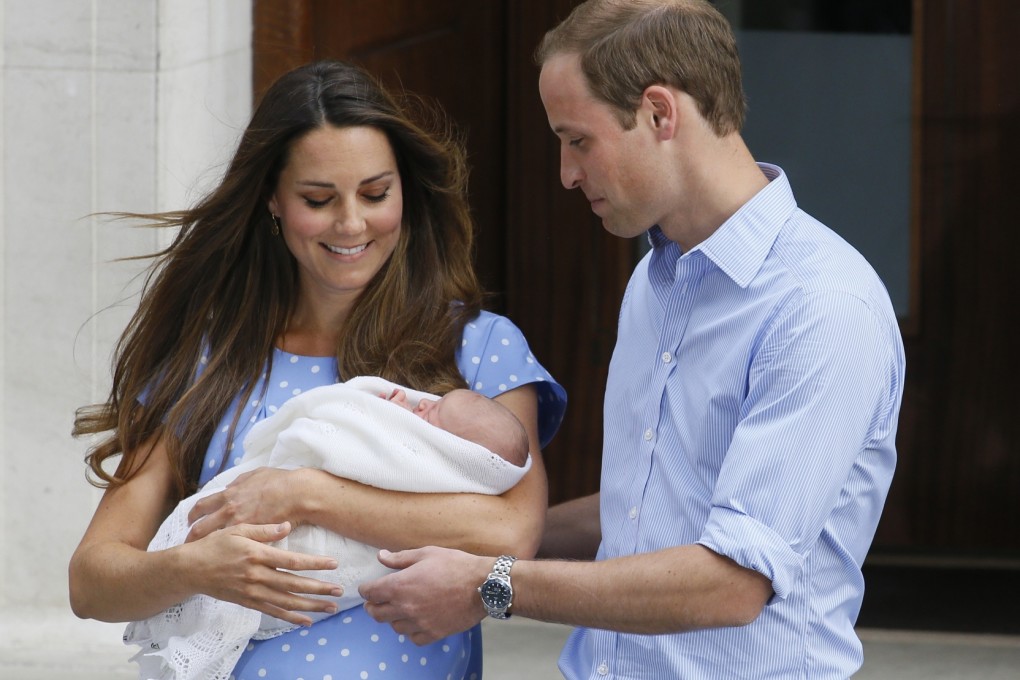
<point x="338" y="250"/>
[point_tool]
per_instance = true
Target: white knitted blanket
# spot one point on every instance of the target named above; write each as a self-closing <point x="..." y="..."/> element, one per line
<point x="349" y="431"/>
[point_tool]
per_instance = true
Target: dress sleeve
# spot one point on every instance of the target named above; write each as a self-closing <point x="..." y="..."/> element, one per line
<point x="494" y="358"/>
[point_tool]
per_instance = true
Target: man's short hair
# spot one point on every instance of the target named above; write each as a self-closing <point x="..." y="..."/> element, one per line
<point x="625" y="46"/>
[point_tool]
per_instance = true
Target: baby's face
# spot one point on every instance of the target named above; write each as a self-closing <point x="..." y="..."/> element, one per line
<point x="448" y="413"/>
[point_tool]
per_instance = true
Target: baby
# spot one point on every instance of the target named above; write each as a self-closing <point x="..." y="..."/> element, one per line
<point x="471" y="416"/>
<point x="405" y="441"/>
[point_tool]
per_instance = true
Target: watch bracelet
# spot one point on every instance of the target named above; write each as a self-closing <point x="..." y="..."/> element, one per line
<point x="503" y="565"/>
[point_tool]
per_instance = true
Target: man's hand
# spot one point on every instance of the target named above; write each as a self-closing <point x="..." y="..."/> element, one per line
<point x="434" y="595"/>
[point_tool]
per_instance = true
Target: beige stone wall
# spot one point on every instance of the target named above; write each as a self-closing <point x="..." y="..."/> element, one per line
<point x="104" y="105"/>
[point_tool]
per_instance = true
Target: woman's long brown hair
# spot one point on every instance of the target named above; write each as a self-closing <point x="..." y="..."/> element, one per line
<point x="221" y="294"/>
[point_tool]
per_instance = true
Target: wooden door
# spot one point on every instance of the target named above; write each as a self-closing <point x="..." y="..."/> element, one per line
<point x="565" y="274"/>
<point x="957" y="487"/>
<point x="560" y="277"/>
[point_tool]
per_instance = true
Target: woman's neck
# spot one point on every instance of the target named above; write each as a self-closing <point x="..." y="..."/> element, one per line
<point x="312" y="331"/>
<point x="295" y="341"/>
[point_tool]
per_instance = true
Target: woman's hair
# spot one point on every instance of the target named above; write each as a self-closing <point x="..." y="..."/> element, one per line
<point x="625" y="46"/>
<point x="221" y="294"/>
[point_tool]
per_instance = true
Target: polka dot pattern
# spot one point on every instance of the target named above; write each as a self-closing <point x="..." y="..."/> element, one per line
<point x="496" y="358"/>
<point x="292" y="374"/>
<point x="361" y="648"/>
<point x="493" y="357"/>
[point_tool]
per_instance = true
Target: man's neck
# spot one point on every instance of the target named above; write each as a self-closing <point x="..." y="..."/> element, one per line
<point x="719" y="177"/>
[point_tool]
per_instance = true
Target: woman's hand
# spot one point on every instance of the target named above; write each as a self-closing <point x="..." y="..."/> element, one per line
<point x="236" y="564"/>
<point x="112" y="577"/>
<point x="263" y="496"/>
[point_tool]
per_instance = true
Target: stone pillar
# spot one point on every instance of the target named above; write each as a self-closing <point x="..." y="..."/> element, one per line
<point x="109" y="105"/>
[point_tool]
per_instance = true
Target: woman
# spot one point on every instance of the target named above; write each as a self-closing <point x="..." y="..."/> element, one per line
<point x="338" y="244"/>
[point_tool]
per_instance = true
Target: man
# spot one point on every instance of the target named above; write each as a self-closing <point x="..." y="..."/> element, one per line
<point x="752" y="400"/>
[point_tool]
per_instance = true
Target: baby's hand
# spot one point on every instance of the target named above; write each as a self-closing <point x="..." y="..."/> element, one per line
<point x="398" y="396"/>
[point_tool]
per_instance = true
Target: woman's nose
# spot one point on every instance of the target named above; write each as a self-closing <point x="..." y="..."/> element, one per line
<point x="349" y="220"/>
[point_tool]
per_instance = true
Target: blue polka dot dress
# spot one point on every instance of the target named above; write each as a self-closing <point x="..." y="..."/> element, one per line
<point x="494" y="358"/>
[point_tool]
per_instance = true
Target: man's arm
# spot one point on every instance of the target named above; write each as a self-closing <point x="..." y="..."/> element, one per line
<point x="572" y="530"/>
<point x="677" y="589"/>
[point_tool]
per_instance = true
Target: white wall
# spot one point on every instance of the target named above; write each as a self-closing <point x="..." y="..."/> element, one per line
<point x="104" y="105"/>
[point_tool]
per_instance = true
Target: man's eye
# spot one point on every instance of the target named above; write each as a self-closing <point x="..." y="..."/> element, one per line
<point x="576" y="141"/>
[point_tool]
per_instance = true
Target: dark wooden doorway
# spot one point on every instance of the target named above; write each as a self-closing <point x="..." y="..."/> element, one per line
<point x="560" y="277"/>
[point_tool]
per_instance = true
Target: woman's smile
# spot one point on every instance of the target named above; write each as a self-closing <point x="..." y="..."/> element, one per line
<point x="340" y="204"/>
<point x="339" y="250"/>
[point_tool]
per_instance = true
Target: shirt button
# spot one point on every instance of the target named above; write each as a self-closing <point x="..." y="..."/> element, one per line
<point x="603" y="669"/>
<point x="666" y="357"/>
<point x="633" y="513"/>
<point x="648" y="435"/>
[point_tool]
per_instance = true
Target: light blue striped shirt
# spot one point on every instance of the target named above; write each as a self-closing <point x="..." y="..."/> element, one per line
<point x="751" y="407"/>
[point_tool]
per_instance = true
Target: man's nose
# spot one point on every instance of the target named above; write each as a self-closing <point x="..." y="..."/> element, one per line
<point x="570" y="172"/>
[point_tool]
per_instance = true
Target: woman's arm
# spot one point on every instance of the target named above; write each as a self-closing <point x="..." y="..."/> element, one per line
<point x="391" y="519"/>
<point x="113" y="578"/>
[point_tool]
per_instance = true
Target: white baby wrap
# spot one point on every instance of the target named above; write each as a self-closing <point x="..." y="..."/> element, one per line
<point x="349" y="431"/>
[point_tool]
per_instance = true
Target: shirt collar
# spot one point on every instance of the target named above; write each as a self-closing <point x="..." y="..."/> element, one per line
<point x="741" y="244"/>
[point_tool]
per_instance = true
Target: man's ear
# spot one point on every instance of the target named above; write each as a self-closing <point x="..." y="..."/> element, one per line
<point x="659" y="108"/>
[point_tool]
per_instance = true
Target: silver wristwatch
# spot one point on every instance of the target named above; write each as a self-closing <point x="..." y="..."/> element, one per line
<point x="497" y="593"/>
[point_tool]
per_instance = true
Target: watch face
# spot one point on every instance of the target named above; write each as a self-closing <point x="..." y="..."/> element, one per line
<point x="496" y="594"/>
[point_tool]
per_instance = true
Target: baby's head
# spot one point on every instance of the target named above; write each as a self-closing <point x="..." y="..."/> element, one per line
<point x="479" y="419"/>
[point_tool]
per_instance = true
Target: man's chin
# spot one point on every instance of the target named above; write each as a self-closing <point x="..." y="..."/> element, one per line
<point x="622" y="230"/>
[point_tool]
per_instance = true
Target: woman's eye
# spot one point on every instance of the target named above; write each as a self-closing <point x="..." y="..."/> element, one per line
<point x="377" y="198"/>
<point x="313" y="203"/>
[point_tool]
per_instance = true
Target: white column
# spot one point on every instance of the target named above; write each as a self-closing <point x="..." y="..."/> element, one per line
<point x="108" y="105"/>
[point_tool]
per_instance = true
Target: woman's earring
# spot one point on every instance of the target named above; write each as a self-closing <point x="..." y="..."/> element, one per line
<point x="275" y="231"/>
